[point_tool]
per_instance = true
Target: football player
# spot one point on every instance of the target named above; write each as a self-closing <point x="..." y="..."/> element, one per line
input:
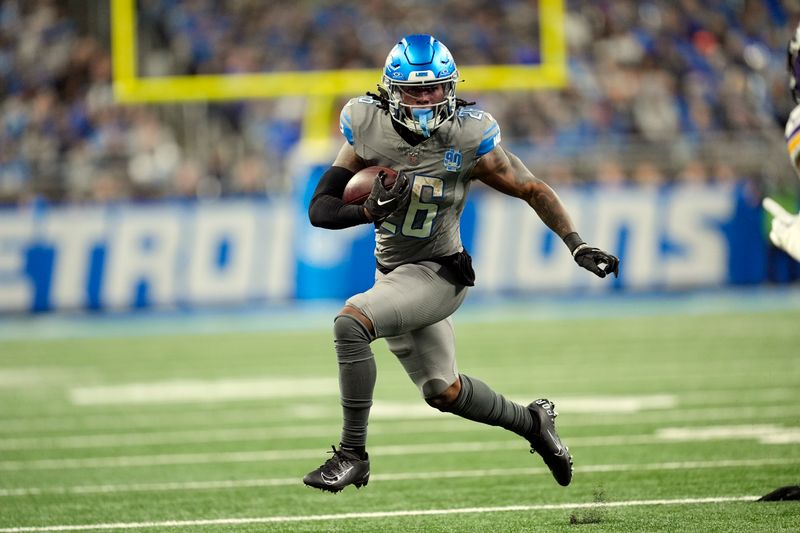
<point x="785" y="231"/>
<point x="439" y="145"/>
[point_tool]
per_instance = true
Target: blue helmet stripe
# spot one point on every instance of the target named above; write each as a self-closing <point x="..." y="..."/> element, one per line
<point x="420" y="59"/>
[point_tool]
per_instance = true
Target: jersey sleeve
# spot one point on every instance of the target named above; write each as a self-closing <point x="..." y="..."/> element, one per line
<point x="346" y="122"/>
<point x="490" y="137"/>
<point x="793" y="138"/>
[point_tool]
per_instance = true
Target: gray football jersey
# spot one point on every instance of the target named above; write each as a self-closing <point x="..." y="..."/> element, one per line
<point x="438" y="169"/>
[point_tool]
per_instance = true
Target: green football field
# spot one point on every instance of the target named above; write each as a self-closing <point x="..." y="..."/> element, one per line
<point x="678" y="421"/>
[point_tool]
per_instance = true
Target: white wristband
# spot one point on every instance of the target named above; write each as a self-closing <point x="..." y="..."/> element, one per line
<point x="579" y="248"/>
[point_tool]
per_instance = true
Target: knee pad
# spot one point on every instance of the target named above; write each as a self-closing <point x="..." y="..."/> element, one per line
<point x="434" y="393"/>
<point x="351" y="339"/>
<point x="348" y="328"/>
<point x="433" y="388"/>
<point x="438" y="402"/>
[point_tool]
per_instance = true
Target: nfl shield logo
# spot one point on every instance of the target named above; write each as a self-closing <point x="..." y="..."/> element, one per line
<point x="452" y="160"/>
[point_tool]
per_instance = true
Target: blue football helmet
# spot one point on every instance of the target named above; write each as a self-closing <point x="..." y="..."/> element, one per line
<point x="793" y="53"/>
<point x="420" y="61"/>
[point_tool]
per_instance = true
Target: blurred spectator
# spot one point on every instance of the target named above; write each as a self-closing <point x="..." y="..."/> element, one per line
<point x="250" y="177"/>
<point x="187" y="180"/>
<point x="660" y="81"/>
<point x="694" y="172"/>
<point x="109" y="186"/>
<point x="724" y="173"/>
<point x="154" y="152"/>
<point x="611" y="174"/>
<point x="648" y="174"/>
<point x="559" y="174"/>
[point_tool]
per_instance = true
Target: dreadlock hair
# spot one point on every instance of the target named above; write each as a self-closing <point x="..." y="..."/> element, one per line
<point x="383" y="100"/>
<point x="382" y="97"/>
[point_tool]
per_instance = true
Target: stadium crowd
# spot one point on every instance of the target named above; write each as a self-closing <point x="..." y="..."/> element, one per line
<point x="660" y="90"/>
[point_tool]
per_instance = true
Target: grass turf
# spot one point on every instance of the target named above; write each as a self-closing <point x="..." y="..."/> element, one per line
<point x="733" y="379"/>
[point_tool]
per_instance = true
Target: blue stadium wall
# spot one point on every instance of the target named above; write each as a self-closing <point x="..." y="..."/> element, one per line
<point x="196" y="254"/>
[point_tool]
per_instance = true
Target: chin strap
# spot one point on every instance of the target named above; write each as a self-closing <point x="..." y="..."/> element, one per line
<point x="423" y="116"/>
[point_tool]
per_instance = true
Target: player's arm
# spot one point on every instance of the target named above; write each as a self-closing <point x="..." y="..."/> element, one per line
<point x="785" y="229"/>
<point x="327" y="210"/>
<point x="504" y="172"/>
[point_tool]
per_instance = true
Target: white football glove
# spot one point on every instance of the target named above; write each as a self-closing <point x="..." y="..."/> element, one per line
<point x="785" y="233"/>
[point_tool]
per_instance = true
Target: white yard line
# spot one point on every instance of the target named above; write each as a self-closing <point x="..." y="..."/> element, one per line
<point x="374" y="515"/>
<point x="243" y="457"/>
<point x="397" y="476"/>
<point x="766" y="434"/>
<point x="221" y="390"/>
<point x="685" y="415"/>
<point x="763" y="433"/>
<point x="193" y="391"/>
<point x="655" y="408"/>
<point x="196" y="418"/>
<point x="246" y="434"/>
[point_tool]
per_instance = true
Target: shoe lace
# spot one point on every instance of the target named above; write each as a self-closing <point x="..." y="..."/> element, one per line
<point x="333" y="462"/>
<point x="555" y="414"/>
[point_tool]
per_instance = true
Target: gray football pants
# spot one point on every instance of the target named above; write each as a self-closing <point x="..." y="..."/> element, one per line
<point x="411" y="308"/>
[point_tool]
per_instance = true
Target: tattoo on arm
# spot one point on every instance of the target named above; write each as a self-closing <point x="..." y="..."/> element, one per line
<point x="542" y="198"/>
<point x="550" y="209"/>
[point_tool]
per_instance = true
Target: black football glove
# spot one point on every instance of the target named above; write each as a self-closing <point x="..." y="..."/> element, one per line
<point x="596" y="260"/>
<point x="382" y="202"/>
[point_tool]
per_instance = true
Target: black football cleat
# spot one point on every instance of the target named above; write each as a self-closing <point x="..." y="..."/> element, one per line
<point x="341" y="470"/>
<point x="546" y="443"/>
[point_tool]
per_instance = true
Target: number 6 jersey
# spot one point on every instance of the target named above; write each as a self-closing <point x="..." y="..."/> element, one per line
<point x="438" y="169"/>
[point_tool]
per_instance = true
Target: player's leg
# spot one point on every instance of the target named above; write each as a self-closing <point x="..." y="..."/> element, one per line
<point x="400" y="301"/>
<point x="471" y="398"/>
<point x="414" y="316"/>
<point x="353" y="333"/>
<point x="428" y="356"/>
<point x="409" y="298"/>
<point x="349" y="465"/>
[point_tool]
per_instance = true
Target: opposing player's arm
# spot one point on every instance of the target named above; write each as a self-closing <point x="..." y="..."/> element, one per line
<point x="785" y="229"/>
<point x="503" y="171"/>
<point x="327" y="210"/>
<point x="792" y="135"/>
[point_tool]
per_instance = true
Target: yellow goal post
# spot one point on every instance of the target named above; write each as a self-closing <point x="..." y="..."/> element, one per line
<point x="324" y="86"/>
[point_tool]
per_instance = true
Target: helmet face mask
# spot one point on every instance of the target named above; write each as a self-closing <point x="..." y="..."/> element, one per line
<point x="420" y="79"/>
<point x="793" y="64"/>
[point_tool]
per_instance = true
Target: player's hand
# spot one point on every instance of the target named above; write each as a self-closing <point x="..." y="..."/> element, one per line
<point x="596" y="260"/>
<point x="382" y="202"/>
<point x="785" y="231"/>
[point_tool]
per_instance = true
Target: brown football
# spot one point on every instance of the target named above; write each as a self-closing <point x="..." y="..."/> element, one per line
<point x="360" y="185"/>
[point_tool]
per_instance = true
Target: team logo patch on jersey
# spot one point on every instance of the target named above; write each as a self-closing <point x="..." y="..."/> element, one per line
<point x="452" y="160"/>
